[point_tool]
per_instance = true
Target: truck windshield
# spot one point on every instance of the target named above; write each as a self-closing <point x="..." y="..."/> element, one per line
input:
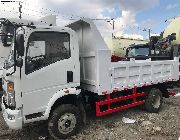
<point x="6" y="34"/>
<point x="9" y="62"/>
<point x="138" y="51"/>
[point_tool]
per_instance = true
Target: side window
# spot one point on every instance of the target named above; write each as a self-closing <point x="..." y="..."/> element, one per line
<point x="131" y="52"/>
<point x="45" y="48"/>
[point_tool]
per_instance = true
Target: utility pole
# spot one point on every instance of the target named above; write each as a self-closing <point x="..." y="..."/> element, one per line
<point x="109" y="21"/>
<point x="149" y="30"/>
<point x="150" y="45"/>
<point x="113" y="27"/>
<point x="20" y="10"/>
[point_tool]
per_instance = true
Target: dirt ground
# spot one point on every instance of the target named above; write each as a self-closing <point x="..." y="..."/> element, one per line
<point x="164" y="125"/>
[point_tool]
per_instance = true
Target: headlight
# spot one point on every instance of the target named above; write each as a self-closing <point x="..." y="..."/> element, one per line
<point x="11" y="99"/>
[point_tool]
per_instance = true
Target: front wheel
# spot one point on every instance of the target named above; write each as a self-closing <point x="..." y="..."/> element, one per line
<point x="153" y="101"/>
<point x="64" y="121"/>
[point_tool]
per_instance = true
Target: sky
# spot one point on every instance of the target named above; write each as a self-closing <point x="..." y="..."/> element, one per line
<point x="132" y="18"/>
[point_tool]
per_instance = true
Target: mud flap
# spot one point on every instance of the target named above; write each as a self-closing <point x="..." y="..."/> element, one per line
<point x="82" y="110"/>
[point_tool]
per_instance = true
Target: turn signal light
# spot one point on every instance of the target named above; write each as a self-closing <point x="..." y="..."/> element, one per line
<point x="10" y="87"/>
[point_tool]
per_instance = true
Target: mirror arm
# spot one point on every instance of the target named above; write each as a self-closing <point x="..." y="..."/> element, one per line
<point x="7" y="74"/>
<point x="14" y="50"/>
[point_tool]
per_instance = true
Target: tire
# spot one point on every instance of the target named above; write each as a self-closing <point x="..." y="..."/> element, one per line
<point x="177" y="83"/>
<point x="64" y="121"/>
<point x="153" y="101"/>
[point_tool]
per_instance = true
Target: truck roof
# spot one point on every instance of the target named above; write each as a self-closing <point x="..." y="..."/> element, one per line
<point x="139" y="45"/>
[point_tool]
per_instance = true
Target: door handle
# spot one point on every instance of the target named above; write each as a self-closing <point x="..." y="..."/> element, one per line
<point x="69" y="76"/>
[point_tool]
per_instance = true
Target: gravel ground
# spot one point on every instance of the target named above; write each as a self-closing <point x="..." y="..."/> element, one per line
<point x="164" y="125"/>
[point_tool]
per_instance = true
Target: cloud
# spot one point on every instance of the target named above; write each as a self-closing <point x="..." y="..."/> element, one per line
<point x="149" y="23"/>
<point x="171" y="6"/>
<point x="126" y="20"/>
<point x="33" y="9"/>
<point x="130" y="9"/>
<point x="133" y="36"/>
<point x="155" y="34"/>
<point x="136" y="6"/>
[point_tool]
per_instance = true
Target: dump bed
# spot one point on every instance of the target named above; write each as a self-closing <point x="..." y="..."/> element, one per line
<point x="100" y="75"/>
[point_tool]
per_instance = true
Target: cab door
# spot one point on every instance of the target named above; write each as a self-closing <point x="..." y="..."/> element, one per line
<point x="49" y="67"/>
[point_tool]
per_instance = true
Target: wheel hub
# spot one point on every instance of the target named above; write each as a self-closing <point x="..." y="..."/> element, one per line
<point x="66" y="123"/>
<point x="156" y="101"/>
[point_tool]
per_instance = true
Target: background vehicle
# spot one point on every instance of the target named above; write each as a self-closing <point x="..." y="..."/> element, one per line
<point x="174" y="27"/>
<point x="57" y="71"/>
<point x="118" y="45"/>
<point x="161" y="49"/>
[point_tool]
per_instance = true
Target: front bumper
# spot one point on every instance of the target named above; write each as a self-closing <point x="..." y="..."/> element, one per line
<point x="16" y="122"/>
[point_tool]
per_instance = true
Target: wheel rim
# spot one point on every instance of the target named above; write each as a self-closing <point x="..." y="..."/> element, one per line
<point x="67" y="123"/>
<point x="156" y="101"/>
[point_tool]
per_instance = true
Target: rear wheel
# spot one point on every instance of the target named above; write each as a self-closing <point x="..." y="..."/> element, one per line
<point x="64" y="121"/>
<point x="153" y="100"/>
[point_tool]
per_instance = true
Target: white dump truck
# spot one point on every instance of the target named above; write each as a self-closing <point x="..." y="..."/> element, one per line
<point x="55" y="72"/>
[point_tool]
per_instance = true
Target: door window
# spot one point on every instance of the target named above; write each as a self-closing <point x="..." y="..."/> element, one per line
<point x="45" y="48"/>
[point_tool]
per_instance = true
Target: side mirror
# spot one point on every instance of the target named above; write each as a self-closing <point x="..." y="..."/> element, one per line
<point x="127" y="51"/>
<point x="19" y="62"/>
<point x="20" y="44"/>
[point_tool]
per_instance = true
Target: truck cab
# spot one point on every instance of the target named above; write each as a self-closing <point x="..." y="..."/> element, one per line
<point x="44" y="75"/>
<point x="40" y="54"/>
<point x="139" y="51"/>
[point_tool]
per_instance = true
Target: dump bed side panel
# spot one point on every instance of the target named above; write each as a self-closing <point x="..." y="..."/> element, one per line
<point x="139" y="73"/>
